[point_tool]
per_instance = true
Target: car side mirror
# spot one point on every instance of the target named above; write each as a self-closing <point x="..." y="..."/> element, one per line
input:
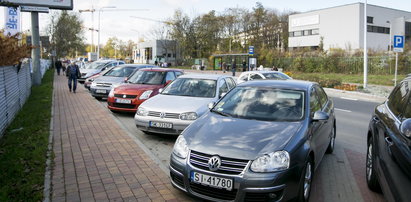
<point x="160" y="90"/>
<point x="222" y="95"/>
<point x="320" y="116"/>
<point x="126" y="80"/>
<point x="406" y="128"/>
<point x="211" y="105"/>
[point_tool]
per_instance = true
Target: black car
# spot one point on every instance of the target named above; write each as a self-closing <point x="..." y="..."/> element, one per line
<point x="388" y="164"/>
<point x="261" y="142"/>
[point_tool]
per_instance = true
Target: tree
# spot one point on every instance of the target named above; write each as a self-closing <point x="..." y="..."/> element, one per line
<point x="67" y="35"/>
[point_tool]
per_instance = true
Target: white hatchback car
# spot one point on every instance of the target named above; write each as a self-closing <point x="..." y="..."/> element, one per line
<point x="181" y="103"/>
<point x="256" y="75"/>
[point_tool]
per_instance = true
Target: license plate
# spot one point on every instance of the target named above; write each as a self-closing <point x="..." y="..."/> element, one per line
<point x="101" y="91"/>
<point x="160" y="124"/>
<point x="212" y="181"/>
<point x="123" y="101"/>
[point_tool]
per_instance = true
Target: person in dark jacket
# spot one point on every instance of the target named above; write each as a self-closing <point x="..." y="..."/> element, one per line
<point x="72" y="73"/>
<point x="233" y="67"/>
<point x="59" y="65"/>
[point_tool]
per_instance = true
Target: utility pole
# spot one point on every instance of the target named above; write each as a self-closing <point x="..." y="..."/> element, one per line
<point x="35" y="52"/>
<point x="365" y="46"/>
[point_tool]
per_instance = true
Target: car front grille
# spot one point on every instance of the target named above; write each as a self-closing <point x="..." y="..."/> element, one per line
<point x="228" y="165"/>
<point x="216" y="193"/>
<point x="125" y="106"/>
<point x="127" y="96"/>
<point x="103" y="84"/>
<point x="261" y="197"/>
<point x="177" y="179"/>
<point x="166" y="115"/>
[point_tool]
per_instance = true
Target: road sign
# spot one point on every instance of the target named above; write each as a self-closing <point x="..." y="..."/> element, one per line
<point x="251" y="50"/>
<point x="398" y="43"/>
<point x="34" y="9"/>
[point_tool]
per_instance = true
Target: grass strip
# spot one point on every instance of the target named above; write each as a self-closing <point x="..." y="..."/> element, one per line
<point x="23" y="147"/>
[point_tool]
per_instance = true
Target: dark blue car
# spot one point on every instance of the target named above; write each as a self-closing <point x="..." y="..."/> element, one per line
<point x="261" y="142"/>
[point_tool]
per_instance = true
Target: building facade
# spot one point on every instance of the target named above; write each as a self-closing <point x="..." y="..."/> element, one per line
<point x="342" y="27"/>
<point x="162" y="51"/>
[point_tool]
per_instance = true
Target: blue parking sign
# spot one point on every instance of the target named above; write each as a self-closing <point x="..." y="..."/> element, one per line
<point x="398" y="43"/>
<point x="251" y="50"/>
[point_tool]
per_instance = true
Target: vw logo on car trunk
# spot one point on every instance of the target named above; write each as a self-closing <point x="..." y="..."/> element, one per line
<point x="124" y="96"/>
<point x="162" y="115"/>
<point x="214" y="163"/>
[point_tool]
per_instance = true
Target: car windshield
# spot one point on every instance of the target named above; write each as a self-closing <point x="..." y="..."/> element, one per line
<point x="275" y="76"/>
<point x="148" y="77"/>
<point x="95" y="65"/>
<point x="120" y="71"/>
<point x="265" y="104"/>
<point x="192" y="87"/>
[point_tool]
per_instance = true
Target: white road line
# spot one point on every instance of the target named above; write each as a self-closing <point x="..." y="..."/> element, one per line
<point x="347" y="98"/>
<point x="343" y="110"/>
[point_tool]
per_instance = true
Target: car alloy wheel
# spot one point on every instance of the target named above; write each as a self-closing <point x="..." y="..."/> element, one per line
<point x="307" y="180"/>
<point x="331" y="145"/>
<point x="371" y="176"/>
<point x="369" y="162"/>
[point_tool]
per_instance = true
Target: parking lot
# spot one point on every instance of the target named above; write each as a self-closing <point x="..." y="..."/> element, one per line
<point x="341" y="175"/>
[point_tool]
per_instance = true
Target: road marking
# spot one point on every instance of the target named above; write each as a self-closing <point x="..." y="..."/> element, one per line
<point x="347" y="98"/>
<point x="343" y="110"/>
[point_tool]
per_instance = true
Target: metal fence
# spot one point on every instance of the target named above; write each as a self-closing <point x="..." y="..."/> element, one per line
<point x="15" y="88"/>
<point x="353" y="65"/>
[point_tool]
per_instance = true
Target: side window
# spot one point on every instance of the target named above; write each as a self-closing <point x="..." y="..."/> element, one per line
<point x="321" y="95"/>
<point x="255" y="77"/>
<point x="407" y="112"/>
<point x="170" y="76"/>
<point x="397" y="99"/>
<point x="244" y="77"/>
<point x="178" y="74"/>
<point x="222" y="88"/>
<point x="230" y="83"/>
<point x="314" y="101"/>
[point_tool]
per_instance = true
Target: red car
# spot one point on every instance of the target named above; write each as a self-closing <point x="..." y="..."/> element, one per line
<point x="142" y="85"/>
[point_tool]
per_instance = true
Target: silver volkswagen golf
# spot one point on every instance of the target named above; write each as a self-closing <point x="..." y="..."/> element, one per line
<point x="181" y="102"/>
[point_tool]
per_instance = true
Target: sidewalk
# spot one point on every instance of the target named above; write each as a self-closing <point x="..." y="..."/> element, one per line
<point x="95" y="159"/>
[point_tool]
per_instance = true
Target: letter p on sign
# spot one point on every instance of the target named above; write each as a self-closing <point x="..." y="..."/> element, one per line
<point x="398" y="43"/>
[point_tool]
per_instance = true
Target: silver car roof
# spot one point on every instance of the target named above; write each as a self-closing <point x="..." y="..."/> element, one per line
<point x="204" y="76"/>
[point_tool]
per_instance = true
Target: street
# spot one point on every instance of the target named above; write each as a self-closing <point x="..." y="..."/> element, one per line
<point x="340" y="176"/>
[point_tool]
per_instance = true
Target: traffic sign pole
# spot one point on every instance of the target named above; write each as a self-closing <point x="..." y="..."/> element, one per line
<point x="396" y="68"/>
<point x="398" y="47"/>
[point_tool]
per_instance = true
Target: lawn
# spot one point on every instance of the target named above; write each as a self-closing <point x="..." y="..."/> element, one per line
<point x="24" y="145"/>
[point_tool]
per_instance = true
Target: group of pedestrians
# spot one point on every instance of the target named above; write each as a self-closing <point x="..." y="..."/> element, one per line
<point x="72" y="72"/>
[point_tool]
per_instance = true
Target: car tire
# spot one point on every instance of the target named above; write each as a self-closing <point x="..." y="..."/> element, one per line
<point x="114" y="111"/>
<point x="331" y="145"/>
<point x="307" y="178"/>
<point x="98" y="98"/>
<point x="370" y="174"/>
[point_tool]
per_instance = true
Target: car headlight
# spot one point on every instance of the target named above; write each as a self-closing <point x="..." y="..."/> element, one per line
<point x="111" y="94"/>
<point x="90" y="80"/>
<point x="275" y="161"/>
<point x="180" y="147"/>
<point x="188" y="116"/>
<point x="93" y="84"/>
<point x="145" y="95"/>
<point x="142" y="111"/>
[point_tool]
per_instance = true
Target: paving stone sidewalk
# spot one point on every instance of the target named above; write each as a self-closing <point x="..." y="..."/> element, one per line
<point x="95" y="159"/>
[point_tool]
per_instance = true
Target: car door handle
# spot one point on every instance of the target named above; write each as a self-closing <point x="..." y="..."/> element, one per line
<point x="389" y="143"/>
<point x="376" y="119"/>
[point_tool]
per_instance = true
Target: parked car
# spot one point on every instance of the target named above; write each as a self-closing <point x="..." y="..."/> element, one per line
<point x="181" y="102"/>
<point x="97" y="67"/>
<point x="141" y="86"/>
<point x="260" y="142"/>
<point x="388" y="164"/>
<point x="257" y="75"/>
<point x="89" y="80"/>
<point x="102" y="85"/>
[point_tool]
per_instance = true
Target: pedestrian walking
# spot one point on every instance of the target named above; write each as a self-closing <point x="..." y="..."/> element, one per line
<point x="224" y="67"/>
<point x="64" y="67"/>
<point x="58" y="65"/>
<point x="233" y="67"/>
<point x="72" y="73"/>
<point x="244" y="66"/>
<point x="275" y="68"/>
<point x="156" y="63"/>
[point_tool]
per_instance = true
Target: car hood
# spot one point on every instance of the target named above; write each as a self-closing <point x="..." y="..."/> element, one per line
<point x="91" y="72"/>
<point x="238" y="138"/>
<point x="109" y="79"/>
<point x="177" y="104"/>
<point x="131" y="89"/>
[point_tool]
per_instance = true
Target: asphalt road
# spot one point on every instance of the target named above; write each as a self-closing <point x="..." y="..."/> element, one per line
<point x="341" y="175"/>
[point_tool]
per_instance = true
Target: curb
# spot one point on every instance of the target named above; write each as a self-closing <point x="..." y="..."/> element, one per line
<point x="356" y="95"/>
<point x="47" y="174"/>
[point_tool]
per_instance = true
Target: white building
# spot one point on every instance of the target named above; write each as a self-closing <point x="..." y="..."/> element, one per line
<point x="157" y="50"/>
<point x="342" y="27"/>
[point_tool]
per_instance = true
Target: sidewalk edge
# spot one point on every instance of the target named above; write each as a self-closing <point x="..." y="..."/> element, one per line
<point x="47" y="174"/>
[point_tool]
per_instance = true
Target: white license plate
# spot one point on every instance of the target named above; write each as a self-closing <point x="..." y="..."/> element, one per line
<point x="212" y="181"/>
<point x="101" y="91"/>
<point x="123" y="101"/>
<point x="160" y="124"/>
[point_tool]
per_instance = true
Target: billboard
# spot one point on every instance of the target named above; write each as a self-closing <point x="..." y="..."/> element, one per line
<point x="52" y="4"/>
<point x="12" y="21"/>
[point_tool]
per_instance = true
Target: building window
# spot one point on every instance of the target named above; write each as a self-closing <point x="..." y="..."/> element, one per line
<point x="298" y="33"/>
<point x="291" y="34"/>
<point x="315" y="31"/>
<point x="370" y="19"/>
<point x="378" y="29"/>
<point x="307" y="32"/>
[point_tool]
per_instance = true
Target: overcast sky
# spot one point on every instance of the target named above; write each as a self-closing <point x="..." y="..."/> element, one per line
<point x="121" y="25"/>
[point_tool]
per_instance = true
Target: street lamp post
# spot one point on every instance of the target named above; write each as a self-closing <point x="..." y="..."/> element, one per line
<point x="99" y="29"/>
<point x="365" y="46"/>
<point x="92" y="10"/>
